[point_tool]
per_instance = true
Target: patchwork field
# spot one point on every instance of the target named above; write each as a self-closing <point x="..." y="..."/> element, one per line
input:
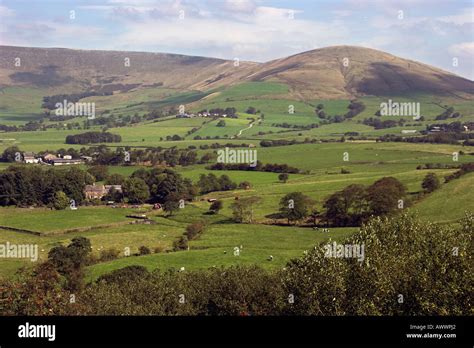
<point x="327" y="165"/>
<point x="323" y="162"/>
<point x="49" y="221"/>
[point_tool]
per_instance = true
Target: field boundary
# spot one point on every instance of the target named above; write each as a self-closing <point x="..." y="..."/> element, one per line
<point x="71" y="230"/>
<point x="36" y="233"/>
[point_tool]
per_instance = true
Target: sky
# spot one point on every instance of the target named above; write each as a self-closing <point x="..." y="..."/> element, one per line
<point x="435" y="32"/>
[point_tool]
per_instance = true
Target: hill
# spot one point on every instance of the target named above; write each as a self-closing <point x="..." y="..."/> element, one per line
<point x="345" y="71"/>
<point x="338" y="72"/>
<point x="82" y="70"/>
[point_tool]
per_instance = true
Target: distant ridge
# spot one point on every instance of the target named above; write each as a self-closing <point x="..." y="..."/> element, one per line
<point x="331" y="72"/>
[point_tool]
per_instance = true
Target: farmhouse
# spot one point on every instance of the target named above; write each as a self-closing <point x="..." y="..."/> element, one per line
<point x="65" y="161"/>
<point x="29" y="157"/>
<point x="48" y="157"/>
<point x="94" y="191"/>
<point x="98" y="191"/>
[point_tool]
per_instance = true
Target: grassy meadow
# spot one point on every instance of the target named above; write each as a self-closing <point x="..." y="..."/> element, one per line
<point x="321" y="164"/>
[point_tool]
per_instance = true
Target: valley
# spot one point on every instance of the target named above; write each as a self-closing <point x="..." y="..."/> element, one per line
<point x="308" y="111"/>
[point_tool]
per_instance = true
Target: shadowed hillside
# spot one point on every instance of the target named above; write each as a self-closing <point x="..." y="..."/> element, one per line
<point x="86" y="70"/>
<point x="338" y="72"/>
<point x="345" y="71"/>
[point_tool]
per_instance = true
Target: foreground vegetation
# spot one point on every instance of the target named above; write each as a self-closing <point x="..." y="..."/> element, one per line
<point x="410" y="267"/>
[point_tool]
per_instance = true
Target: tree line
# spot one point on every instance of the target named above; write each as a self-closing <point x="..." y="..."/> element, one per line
<point x="39" y="186"/>
<point x="355" y="107"/>
<point x="351" y="206"/>
<point x="49" y="102"/>
<point x="33" y="185"/>
<point x="93" y="138"/>
<point x="435" y="138"/>
<point x="259" y="167"/>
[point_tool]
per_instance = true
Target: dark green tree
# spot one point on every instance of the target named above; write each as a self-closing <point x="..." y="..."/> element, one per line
<point x="61" y="201"/>
<point x="283" y="177"/>
<point x="430" y="182"/>
<point x="136" y="190"/>
<point x="295" y="206"/>
<point x="100" y="173"/>
<point x="216" y="206"/>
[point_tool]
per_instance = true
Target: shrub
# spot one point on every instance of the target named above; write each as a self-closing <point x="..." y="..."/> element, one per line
<point x="109" y="254"/>
<point x="195" y="229"/>
<point x="60" y="201"/>
<point x="216" y="206"/>
<point x="143" y="250"/>
<point x="426" y="263"/>
<point x="430" y="182"/>
<point x="245" y="185"/>
<point x="128" y="273"/>
<point x="283" y="177"/>
<point x="180" y="244"/>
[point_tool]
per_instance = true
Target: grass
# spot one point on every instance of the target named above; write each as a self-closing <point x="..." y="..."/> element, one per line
<point x="216" y="248"/>
<point x="368" y="163"/>
<point x="232" y="128"/>
<point x="450" y="202"/>
<point x="119" y="237"/>
<point x="52" y="221"/>
<point x="250" y="90"/>
<point x="19" y="105"/>
<point x="321" y="164"/>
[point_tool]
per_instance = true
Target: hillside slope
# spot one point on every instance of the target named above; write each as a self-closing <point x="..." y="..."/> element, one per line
<point x="345" y="71"/>
<point x="108" y="70"/>
<point x="338" y="72"/>
<point x="450" y="202"/>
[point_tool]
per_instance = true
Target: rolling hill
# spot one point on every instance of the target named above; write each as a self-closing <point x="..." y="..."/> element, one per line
<point x="82" y="70"/>
<point x="346" y="71"/>
<point x="338" y="72"/>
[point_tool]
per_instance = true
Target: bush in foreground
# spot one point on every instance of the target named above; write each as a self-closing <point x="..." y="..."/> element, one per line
<point x="408" y="267"/>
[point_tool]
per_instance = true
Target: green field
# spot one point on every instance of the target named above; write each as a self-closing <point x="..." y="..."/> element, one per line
<point x="52" y="221"/>
<point x="20" y="105"/>
<point x="450" y="203"/>
<point x="216" y="248"/>
<point x="320" y="163"/>
<point x="367" y="163"/>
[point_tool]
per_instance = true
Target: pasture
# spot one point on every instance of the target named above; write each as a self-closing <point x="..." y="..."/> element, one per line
<point x="322" y="165"/>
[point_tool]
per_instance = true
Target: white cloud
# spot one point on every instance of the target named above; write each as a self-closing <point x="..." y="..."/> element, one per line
<point x="6" y="12"/>
<point x="465" y="16"/>
<point x="48" y="33"/>
<point x="269" y="34"/>
<point x="257" y="29"/>
<point x="463" y="52"/>
<point x="242" y="6"/>
<point x="464" y="48"/>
